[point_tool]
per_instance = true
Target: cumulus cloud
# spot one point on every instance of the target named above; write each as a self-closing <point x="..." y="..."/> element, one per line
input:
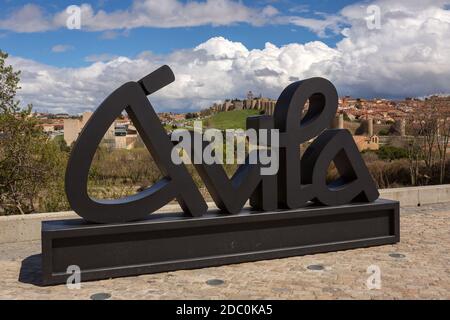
<point x="407" y="56"/>
<point x="212" y="71"/>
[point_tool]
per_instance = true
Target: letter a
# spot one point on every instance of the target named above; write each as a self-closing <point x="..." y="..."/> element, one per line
<point x="355" y="183"/>
<point x="177" y="182"/>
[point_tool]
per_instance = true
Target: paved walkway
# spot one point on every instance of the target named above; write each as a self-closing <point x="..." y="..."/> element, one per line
<point x="416" y="268"/>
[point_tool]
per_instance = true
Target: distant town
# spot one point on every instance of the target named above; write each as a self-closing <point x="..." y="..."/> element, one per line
<point x="367" y="119"/>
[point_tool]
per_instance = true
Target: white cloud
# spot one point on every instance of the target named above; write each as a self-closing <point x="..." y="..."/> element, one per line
<point x="169" y="14"/>
<point x="407" y="56"/>
<point x="104" y="57"/>
<point x="59" y="48"/>
<point x="214" y="70"/>
<point x="142" y="13"/>
<point x="29" y="18"/>
<point x="332" y="23"/>
<point x="301" y="8"/>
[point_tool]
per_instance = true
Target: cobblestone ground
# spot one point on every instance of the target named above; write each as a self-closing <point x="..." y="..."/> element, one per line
<point x="416" y="268"/>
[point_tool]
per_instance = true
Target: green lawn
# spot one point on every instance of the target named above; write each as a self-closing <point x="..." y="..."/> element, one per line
<point x="234" y="119"/>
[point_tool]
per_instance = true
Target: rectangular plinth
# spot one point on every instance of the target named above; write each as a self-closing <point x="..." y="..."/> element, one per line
<point x="167" y="242"/>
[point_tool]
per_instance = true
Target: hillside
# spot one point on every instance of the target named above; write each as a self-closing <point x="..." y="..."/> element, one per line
<point x="234" y="119"/>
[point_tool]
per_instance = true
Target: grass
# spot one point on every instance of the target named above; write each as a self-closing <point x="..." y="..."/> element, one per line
<point x="234" y="119"/>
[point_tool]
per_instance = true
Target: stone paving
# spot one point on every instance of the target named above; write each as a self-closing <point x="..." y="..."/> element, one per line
<point x="416" y="268"/>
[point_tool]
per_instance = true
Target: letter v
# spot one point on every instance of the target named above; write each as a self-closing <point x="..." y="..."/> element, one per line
<point x="230" y="195"/>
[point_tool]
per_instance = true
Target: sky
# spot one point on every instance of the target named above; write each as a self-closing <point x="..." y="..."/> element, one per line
<point x="223" y="48"/>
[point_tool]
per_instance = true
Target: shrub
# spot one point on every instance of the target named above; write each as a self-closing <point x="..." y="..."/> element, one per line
<point x="392" y="153"/>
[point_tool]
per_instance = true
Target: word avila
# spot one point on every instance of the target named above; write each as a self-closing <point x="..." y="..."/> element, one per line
<point x="289" y="181"/>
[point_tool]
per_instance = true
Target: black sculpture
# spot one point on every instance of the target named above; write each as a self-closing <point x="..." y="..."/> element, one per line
<point x="317" y="216"/>
<point x="294" y="189"/>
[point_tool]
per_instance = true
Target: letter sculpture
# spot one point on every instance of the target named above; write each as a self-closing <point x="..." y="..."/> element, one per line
<point x="294" y="211"/>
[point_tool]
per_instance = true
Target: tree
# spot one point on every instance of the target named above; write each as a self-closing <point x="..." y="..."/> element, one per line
<point x="443" y="135"/>
<point x="429" y="128"/>
<point x="414" y="159"/>
<point x="9" y="81"/>
<point x="31" y="166"/>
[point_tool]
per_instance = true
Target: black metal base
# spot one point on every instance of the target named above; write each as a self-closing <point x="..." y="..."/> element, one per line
<point x="165" y="242"/>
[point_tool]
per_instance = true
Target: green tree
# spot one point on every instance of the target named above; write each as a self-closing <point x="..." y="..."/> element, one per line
<point x="31" y="166"/>
<point x="383" y="132"/>
<point x="392" y="153"/>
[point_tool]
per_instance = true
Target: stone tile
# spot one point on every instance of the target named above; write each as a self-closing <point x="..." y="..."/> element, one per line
<point x="423" y="272"/>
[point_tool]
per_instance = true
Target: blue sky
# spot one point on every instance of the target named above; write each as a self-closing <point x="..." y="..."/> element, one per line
<point x="38" y="46"/>
<point x="220" y="49"/>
